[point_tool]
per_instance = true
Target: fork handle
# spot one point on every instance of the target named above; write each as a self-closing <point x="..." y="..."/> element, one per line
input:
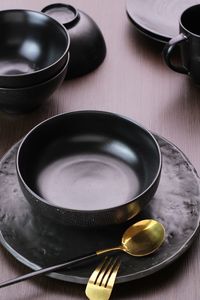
<point x="48" y="269"/>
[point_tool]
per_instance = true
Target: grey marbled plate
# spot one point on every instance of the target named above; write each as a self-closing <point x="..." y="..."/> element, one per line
<point x="37" y="242"/>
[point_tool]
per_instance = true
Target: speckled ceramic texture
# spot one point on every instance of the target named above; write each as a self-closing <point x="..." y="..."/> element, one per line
<point x="37" y="242"/>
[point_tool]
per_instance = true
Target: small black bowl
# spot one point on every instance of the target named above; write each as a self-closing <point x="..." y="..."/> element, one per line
<point x="89" y="168"/>
<point x="34" y="48"/>
<point x="87" y="44"/>
<point x="22" y="100"/>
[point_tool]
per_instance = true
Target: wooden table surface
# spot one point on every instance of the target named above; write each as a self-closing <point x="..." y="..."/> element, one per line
<point x="135" y="82"/>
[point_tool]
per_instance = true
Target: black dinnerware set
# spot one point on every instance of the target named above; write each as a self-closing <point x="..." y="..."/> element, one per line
<point x="72" y="145"/>
<point x="81" y="172"/>
<point x="33" y="64"/>
<point x="164" y="23"/>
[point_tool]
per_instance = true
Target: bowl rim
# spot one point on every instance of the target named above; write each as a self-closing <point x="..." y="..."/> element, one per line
<point x="67" y="24"/>
<point x="19" y="76"/>
<point x="29" y="87"/>
<point x="100" y="112"/>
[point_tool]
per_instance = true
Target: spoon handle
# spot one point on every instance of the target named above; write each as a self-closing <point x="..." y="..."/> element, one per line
<point x="47" y="270"/>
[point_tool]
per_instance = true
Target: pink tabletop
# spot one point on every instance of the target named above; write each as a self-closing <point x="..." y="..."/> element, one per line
<point x="132" y="81"/>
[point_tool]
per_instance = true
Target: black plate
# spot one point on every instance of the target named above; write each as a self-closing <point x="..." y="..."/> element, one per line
<point x="158" y="19"/>
<point x="38" y="242"/>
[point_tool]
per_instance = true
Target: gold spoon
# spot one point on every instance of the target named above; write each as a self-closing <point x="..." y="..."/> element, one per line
<point x="140" y="239"/>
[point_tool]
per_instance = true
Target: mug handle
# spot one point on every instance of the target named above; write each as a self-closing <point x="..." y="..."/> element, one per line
<point x="168" y="52"/>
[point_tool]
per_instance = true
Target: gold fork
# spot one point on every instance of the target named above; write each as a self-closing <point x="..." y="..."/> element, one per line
<point x="102" y="280"/>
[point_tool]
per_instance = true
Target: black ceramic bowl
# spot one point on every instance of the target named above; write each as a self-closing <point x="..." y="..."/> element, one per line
<point x="34" y="48"/>
<point x="22" y="100"/>
<point x="87" y="44"/>
<point x="89" y="168"/>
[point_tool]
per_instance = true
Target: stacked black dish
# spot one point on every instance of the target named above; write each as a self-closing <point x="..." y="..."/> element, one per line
<point x="32" y="63"/>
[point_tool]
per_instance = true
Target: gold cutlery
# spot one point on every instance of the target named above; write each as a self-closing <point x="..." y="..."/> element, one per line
<point x="140" y="239"/>
<point x="101" y="282"/>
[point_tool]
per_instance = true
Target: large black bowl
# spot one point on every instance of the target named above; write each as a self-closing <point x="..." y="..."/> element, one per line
<point x="34" y="48"/>
<point x="22" y="100"/>
<point x="89" y="168"/>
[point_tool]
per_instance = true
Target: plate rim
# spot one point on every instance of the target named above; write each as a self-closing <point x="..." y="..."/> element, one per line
<point x="119" y="279"/>
<point x="145" y="30"/>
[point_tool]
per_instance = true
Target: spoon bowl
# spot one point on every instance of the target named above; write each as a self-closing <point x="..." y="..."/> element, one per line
<point x="141" y="238"/>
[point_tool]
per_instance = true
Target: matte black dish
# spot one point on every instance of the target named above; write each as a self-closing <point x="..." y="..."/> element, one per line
<point x="157" y="19"/>
<point x="37" y="242"/>
<point x="87" y="45"/>
<point x="34" y="48"/>
<point x="89" y="168"/>
<point x="21" y="100"/>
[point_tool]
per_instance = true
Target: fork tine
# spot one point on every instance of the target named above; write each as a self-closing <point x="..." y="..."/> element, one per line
<point x="101" y="282"/>
<point x="111" y="274"/>
<point x="95" y="274"/>
<point x="111" y="280"/>
<point x="104" y="271"/>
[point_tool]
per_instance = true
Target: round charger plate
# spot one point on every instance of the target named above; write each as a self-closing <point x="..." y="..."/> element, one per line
<point x="158" y="19"/>
<point x="37" y="242"/>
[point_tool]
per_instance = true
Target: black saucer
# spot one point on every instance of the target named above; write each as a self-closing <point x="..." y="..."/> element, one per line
<point x="38" y="242"/>
<point x="158" y="19"/>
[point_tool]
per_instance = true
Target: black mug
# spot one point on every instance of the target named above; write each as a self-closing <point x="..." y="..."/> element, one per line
<point x="189" y="42"/>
